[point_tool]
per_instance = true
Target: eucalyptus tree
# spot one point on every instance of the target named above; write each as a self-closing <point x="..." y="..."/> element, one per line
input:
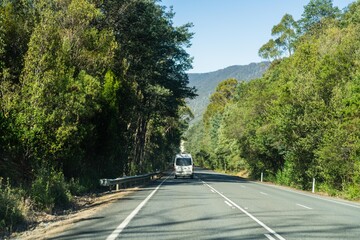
<point x="286" y="31"/>
<point x="61" y="84"/>
<point x="301" y="119"/>
<point x="284" y="44"/>
<point x="213" y="117"/>
<point x="315" y="12"/>
<point x="88" y="83"/>
<point x="18" y="18"/>
<point x="270" y="50"/>
<point x="223" y="94"/>
<point x="152" y="58"/>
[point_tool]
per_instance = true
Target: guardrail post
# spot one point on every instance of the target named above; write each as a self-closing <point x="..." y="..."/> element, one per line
<point x="313" y="186"/>
<point x="117" y="187"/>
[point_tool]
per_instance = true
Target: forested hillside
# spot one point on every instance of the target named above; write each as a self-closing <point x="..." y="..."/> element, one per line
<point x="89" y="90"/>
<point x="206" y="83"/>
<point x="301" y="120"/>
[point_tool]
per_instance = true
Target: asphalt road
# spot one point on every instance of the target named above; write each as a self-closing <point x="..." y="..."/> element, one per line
<point x="216" y="206"/>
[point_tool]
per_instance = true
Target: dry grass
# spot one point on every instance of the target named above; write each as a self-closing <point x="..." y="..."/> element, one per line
<point x="46" y="225"/>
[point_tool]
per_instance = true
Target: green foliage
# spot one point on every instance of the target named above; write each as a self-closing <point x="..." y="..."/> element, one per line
<point x="314" y="12"/>
<point x="270" y="50"/>
<point x="2" y="42"/>
<point x="317" y="14"/>
<point x="285" y="175"/>
<point x="286" y="31"/>
<point x="10" y="212"/>
<point x="218" y="100"/>
<point x="212" y="151"/>
<point x="352" y="191"/>
<point x="76" y="188"/>
<point x="153" y="55"/>
<point x="49" y="190"/>
<point x="301" y="119"/>
<point x="88" y="93"/>
<point x="16" y="25"/>
<point x="206" y="83"/>
<point x="351" y="16"/>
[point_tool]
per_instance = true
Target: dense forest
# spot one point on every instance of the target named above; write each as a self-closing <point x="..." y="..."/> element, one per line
<point x="301" y="120"/>
<point x="89" y="89"/>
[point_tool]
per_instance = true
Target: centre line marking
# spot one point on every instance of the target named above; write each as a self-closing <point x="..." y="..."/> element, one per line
<point x="269" y="237"/>
<point x="304" y="206"/>
<point x="127" y="220"/>
<point x="264" y="193"/>
<point x="228" y="203"/>
<point x="244" y="211"/>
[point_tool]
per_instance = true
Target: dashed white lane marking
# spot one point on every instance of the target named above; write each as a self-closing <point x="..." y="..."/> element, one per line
<point x="212" y="190"/>
<point x="269" y="237"/>
<point x="244" y="211"/>
<point x="123" y="225"/>
<point x="304" y="206"/>
<point x="264" y="193"/>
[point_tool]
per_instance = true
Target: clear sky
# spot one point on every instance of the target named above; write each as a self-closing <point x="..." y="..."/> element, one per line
<point x="230" y="32"/>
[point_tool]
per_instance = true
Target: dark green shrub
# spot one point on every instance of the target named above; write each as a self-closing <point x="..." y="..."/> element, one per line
<point x="352" y="191"/>
<point x="49" y="190"/>
<point x="10" y="207"/>
<point x="76" y="188"/>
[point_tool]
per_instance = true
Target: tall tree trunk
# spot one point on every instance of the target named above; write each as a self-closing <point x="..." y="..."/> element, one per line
<point x="139" y="148"/>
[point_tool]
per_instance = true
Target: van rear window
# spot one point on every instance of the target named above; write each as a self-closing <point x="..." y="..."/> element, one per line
<point x="183" y="161"/>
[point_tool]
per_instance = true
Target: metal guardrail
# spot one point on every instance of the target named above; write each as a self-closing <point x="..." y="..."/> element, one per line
<point x="125" y="182"/>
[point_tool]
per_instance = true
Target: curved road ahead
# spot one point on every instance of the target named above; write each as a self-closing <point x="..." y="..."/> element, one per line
<point x="217" y="206"/>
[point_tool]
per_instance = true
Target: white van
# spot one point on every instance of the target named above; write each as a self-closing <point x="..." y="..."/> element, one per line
<point x="184" y="166"/>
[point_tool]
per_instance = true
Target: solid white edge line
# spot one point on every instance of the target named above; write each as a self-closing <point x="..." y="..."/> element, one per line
<point x="269" y="237"/>
<point x="308" y="195"/>
<point x="127" y="220"/>
<point x="244" y="211"/>
<point x="300" y="205"/>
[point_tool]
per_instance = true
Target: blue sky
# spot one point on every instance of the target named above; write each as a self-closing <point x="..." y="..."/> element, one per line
<point x="230" y="32"/>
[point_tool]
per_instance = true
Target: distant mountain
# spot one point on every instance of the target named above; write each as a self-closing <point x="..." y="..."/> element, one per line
<point x="206" y="83"/>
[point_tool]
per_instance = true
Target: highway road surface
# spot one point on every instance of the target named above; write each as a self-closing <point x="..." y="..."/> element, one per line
<point x="217" y="206"/>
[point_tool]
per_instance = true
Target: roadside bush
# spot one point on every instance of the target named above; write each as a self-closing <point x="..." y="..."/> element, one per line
<point x="76" y="188"/>
<point x="283" y="176"/>
<point x="352" y="191"/>
<point x="10" y="207"/>
<point x="50" y="191"/>
<point x="327" y="188"/>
